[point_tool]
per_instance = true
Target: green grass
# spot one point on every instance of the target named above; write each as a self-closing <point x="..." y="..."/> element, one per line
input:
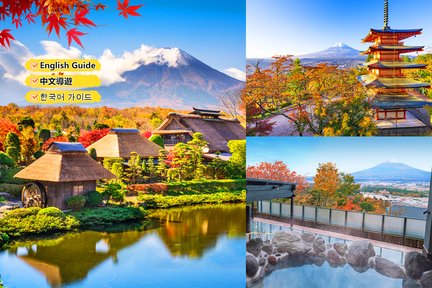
<point x="159" y="201"/>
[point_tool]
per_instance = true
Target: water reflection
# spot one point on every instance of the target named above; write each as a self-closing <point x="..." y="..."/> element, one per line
<point x="90" y="258"/>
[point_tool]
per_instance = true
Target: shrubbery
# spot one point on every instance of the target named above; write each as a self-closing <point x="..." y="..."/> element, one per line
<point x="51" y="211"/>
<point x="158" y="201"/>
<point x="25" y="221"/>
<point x="94" y="199"/>
<point x="76" y="203"/>
<point x="114" y="192"/>
<point x="188" y="187"/>
<point x="6" y="160"/>
<point x="107" y="215"/>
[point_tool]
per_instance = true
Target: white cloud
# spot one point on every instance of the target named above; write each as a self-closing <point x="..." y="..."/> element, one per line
<point x="236" y="73"/>
<point x="55" y="50"/>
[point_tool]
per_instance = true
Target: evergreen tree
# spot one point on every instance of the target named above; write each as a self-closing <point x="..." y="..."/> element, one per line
<point x="162" y="167"/>
<point x="151" y="168"/>
<point x="133" y="173"/>
<point x="93" y="153"/>
<point x="44" y="135"/>
<point x="117" y="170"/>
<point x="12" y="145"/>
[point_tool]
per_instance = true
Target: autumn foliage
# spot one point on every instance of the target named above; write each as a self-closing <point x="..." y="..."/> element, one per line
<point x="90" y="137"/>
<point x="321" y="100"/>
<point x="57" y="15"/>
<point x="47" y="143"/>
<point x="277" y="171"/>
<point x="6" y="126"/>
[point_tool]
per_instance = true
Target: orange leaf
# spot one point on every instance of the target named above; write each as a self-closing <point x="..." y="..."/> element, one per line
<point x="73" y="34"/>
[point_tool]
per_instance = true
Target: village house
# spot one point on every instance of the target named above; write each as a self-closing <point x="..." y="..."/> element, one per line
<point x="65" y="170"/>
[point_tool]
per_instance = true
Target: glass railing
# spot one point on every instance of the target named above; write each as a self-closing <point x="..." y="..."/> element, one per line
<point x="383" y="224"/>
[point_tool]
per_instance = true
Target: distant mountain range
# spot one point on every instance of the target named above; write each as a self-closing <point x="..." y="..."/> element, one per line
<point x="391" y="171"/>
<point x="339" y="54"/>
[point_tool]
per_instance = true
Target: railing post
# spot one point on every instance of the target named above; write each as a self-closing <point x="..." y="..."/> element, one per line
<point x="363" y="221"/>
<point x="280" y="210"/>
<point x="330" y="217"/>
<point x="346" y="218"/>
<point x="404" y="230"/>
<point x="316" y="215"/>
<point x="270" y="208"/>
<point x="303" y="214"/>
<point x="382" y="227"/>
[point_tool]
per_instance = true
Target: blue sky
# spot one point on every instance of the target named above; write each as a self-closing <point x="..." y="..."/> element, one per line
<point x="350" y="154"/>
<point x="300" y="27"/>
<point x="212" y="31"/>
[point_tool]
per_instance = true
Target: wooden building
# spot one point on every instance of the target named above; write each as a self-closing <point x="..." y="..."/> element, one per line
<point x="120" y="142"/>
<point x="395" y="94"/>
<point x="217" y="131"/>
<point x="65" y="170"/>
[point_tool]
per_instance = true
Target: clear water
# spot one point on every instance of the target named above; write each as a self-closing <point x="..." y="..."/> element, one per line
<point x="189" y="247"/>
<point x="326" y="276"/>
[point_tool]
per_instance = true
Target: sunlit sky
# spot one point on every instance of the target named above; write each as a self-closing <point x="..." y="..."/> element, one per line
<point x="301" y="27"/>
<point x="350" y="154"/>
<point x="212" y="31"/>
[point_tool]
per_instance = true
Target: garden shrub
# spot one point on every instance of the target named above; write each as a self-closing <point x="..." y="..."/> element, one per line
<point x="157" y="139"/>
<point x="2" y="199"/>
<point x="114" y="192"/>
<point x="22" y="212"/>
<point x="38" y="154"/>
<point x="188" y="187"/>
<point x="51" y="211"/>
<point x="107" y="216"/>
<point x="108" y="162"/>
<point x="153" y="188"/>
<point x="7" y="176"/>
<point x="76" y="203"/>
<point x="13" y="152"/>
<point x="94" y="199"/>
<point x="6" y="160"/>
<point x="36" y="224"/>
<point x="159" y="201"/>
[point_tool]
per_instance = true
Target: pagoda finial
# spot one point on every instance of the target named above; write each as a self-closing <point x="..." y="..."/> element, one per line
<point x="386" y="16"/>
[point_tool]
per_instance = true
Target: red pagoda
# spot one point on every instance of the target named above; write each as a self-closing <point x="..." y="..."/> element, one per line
<point x="395" y="94"/>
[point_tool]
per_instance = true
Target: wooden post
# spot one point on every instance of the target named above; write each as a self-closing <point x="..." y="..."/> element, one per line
<point x="427" y="247"/>
<point x="292" y="212"/>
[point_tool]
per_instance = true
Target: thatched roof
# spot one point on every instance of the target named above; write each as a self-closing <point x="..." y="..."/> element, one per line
<point x="216" y="131"/>
<point x="65" y="162"/>
<point x="121" y="142"/>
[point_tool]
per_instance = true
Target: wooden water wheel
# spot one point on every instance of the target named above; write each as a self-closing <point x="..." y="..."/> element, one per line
<point x="34" y="195"/>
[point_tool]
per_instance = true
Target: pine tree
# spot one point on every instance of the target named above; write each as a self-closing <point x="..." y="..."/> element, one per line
<point x="162" y="167"/>
<point x="133" y="173"/>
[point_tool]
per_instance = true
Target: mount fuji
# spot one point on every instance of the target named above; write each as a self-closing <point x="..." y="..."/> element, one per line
<point x="392" y="171"/>
<point x="337" y="51"/>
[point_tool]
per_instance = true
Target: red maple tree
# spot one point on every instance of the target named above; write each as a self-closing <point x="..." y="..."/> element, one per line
<point x="47" y="143"/>
<point x="56" y="15"/>
<point x="90" y="137"/>
<point x="277" y="171"/>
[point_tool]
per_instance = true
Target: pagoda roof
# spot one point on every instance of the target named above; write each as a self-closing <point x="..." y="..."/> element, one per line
<point x="399" y="33"/>
<point x="401" y="101"/>
<point x="398" y="48"/>
<point x="371" y="80"/>
<point x="396" y="64"/>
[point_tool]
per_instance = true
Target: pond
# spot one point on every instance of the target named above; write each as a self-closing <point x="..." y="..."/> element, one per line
<point x="202" y="246"/>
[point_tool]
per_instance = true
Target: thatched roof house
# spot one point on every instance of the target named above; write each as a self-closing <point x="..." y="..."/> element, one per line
<point x="65" y="170"/>
<point x="217" y="131"/>
<point x="121" y="142"/>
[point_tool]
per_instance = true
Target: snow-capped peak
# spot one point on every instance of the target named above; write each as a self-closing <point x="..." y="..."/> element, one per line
<point x="339" y="45"/>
